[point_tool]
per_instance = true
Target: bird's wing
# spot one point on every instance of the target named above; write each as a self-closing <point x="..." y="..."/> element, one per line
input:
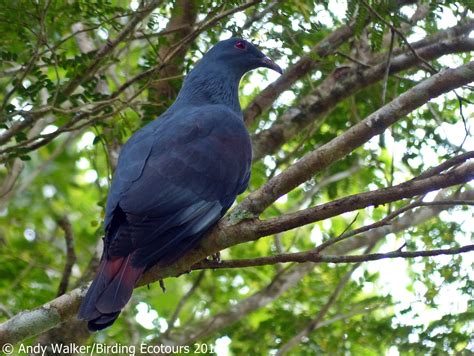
<point x="174" y="181"/>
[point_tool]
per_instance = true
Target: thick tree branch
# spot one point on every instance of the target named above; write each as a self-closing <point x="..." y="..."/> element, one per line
<point x="225" y="235"/>
<point x="30" y="323"/>
<point x="34" y="322"/>
<point x="326" y="96"/>
<point x="180" y="25"/>
<point x="298" y="70"/>
<point x="305" y="65"/>
<point x="405" y="190"/>
<point x="98" y="107"/>
<point x="356" y="136"/>
<point x="205" y="328"/>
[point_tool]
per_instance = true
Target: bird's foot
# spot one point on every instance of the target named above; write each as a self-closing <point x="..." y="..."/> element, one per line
<point x="215" y="257"/>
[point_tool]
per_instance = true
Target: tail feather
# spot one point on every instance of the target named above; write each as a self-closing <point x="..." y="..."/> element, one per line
<point x="102" y="322"/>
<point x="109" y="292"/>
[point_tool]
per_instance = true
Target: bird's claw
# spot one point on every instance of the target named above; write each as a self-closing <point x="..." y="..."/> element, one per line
<point x="215" y="257"/>
<point x="162" y="285"/>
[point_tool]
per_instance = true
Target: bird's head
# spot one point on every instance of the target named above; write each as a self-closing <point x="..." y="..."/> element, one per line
<point x="239" y="56"/>
<point x="215" y="78"/>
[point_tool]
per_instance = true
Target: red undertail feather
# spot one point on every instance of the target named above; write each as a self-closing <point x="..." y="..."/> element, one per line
<point x="109" y="292"/>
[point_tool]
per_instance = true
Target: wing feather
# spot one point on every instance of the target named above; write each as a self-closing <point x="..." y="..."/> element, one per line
<point x="175" y="181"/>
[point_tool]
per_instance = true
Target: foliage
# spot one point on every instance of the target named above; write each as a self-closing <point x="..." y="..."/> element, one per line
<point x="68" y="174"/>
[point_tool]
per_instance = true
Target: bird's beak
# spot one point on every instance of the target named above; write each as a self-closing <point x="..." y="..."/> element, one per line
<point x="268" y="63"/>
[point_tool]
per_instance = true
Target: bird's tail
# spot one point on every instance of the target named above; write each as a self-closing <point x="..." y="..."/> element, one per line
<point x="109" y="292"/>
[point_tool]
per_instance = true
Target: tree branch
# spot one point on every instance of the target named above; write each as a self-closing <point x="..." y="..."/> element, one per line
<point x="363" y="200"/>
<point x="34" y="322"/>
<point x="310" y="256"/>
<point x="41" y="140"/>
<point x="291" y="75"/>
<point x="182" y="20"/>
<point x="356" y="136"/>
<point x="320" y="315"/>
<point x="402" y="36"/>
<point x="182" y="302"/>
<point x="102" y="53"/>
<point x="282" y="282"/>
<point x="456" y="160"/>
<point x="205" y="328"/>
<point x="318" y="103"/>
<point x="70" y="254"/>
<point x="30" y="323"/>
<point x="200" y="27"/>
<point x="304" y="66"/>
<point x="7" y="189"/>
<point x="387" y="219"/>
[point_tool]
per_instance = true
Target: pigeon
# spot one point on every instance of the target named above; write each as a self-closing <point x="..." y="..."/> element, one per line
<point x="175" y="179"/>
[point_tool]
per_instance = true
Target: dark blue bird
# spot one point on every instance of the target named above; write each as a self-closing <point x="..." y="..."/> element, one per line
<point x="175" y="178"/>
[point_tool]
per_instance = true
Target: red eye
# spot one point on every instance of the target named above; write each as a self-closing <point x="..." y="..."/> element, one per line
<point x="240" y="44"/>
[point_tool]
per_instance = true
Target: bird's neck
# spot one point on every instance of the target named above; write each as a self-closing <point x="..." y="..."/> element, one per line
<point x="204" y="86"/>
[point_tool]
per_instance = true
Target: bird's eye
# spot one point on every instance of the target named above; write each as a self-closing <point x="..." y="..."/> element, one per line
<point x="240" y="44"/>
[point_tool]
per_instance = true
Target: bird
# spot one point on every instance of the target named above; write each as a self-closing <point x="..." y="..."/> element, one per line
<point x="175" y="178"/>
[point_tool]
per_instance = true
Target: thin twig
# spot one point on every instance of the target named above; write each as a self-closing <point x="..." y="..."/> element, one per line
<point x="258" y="15"/>
<point x="322" y="312"/>
<point x="402" y="36"/>
<point x="387" y="69"/>
<point x="352" y="59"/>
<point x="183" y="301"/>
<point x="387" y="219"/>
<point x="200" y="27"/>
<point x="464" y="121"/>
<point x="105" y="50"/>
<point x="4" y="310"/>
<point x="446" y="165"/>
<point x="70" y="254"/>
<point x="309" y="256"/>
